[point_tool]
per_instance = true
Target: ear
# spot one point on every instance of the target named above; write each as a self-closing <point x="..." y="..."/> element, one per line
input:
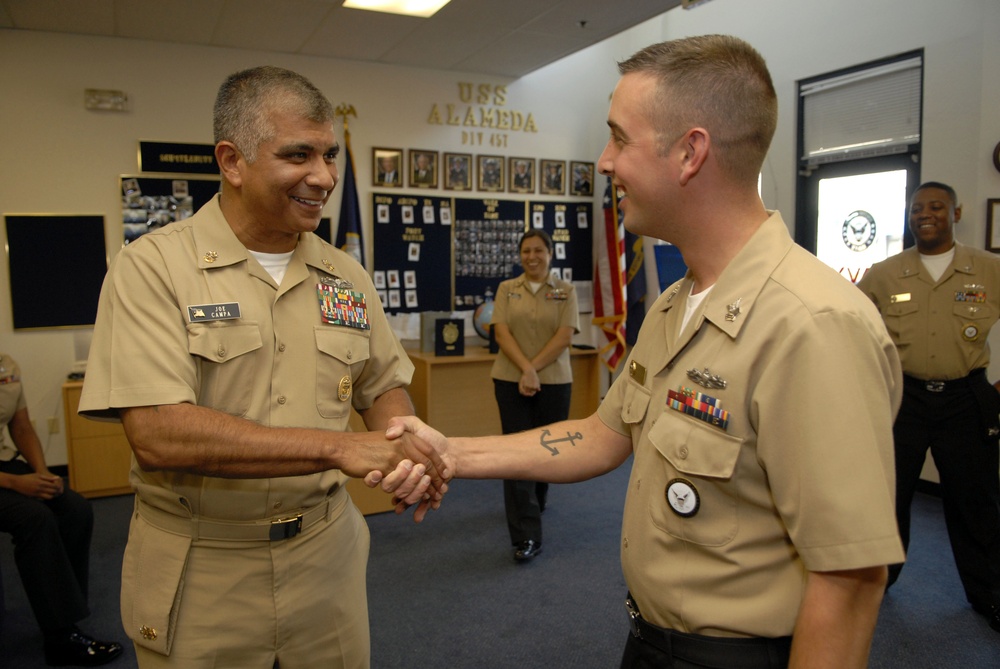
<point x="958" y="213"/>
<point x="695" y="145"/>
<point x="230" y="160"/>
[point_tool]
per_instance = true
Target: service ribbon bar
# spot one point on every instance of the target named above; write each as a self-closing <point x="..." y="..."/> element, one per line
<point x="343" y="307"/>
<point x="698" y="405"/>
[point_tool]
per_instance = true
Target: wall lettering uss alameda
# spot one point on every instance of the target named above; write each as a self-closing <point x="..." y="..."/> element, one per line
<point x="482" y="106"/>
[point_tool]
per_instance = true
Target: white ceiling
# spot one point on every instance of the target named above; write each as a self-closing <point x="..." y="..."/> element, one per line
<point x="500" y="37"/>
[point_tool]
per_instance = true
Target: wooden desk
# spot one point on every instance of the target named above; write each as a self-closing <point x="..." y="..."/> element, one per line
<point x="98" y="452"/>
<point x="454" y="394"/>
<point x="100" y="457"/>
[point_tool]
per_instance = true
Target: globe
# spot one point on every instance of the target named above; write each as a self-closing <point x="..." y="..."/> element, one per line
<point x="481" y="319"/>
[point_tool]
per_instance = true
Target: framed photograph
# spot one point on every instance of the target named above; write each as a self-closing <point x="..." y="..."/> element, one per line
<point x="582" y="175"/>
<point x="993" y="225"/>
<point x="386" y="165"/>
<point x="522" y="175"/>
<point x="490" y="172"/>
<point x="553" y="177"/>
<point x="459" y="174"/>
<point x="423" y="169"/>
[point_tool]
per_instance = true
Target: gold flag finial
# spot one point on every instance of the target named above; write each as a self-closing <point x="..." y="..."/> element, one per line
<point x="344" y="110"/>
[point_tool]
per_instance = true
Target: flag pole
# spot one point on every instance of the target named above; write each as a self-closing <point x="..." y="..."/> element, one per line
<point x="349" y="228"/>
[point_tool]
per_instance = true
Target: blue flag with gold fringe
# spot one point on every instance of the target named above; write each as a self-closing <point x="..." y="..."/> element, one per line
<point x="349" y="228"/>
<point x="635" y="286"/>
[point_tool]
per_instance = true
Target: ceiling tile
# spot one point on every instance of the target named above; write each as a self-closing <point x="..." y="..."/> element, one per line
<point x="87" y="17"/>
<point x="185" y="21"/>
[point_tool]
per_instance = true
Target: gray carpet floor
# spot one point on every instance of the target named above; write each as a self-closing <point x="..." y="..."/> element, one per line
<point x="448" y="594"/>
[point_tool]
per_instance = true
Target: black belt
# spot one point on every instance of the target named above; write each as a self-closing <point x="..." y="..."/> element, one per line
<point x="933" y="386"/>
<point x="722" y="652"/>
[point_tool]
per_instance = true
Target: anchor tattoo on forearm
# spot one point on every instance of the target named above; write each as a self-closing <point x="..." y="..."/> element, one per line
<point x="547" y="443"/>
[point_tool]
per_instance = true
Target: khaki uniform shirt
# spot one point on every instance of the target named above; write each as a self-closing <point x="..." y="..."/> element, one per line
<point x="12" y="400"/>
<point x="533" y="319"/>
<point x="790" y="471"/>
<point x="940" y="327"/>
<point x="187" y="315"/>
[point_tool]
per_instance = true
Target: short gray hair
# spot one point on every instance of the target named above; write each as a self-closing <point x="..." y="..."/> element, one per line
<point x="247" y="98"/>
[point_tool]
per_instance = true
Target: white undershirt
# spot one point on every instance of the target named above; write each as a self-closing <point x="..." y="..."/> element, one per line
<point x="937" y="264"/>
<point x="274" y="263"/>
<point x="534" y="286"/>
<point x="693" y="302"/>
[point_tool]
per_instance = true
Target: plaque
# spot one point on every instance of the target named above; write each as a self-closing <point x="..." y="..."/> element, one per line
<point x="449" y="336"/>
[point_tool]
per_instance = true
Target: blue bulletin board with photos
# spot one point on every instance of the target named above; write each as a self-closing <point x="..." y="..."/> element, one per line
<point x="450" y="254"/>
<point x="412" y="252"/>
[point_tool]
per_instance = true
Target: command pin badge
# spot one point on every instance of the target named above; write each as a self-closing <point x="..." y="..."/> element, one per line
<point x="683" y="498"/>
<point x="344" y="389"/>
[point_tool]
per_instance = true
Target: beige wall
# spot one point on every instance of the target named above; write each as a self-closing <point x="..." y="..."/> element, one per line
<point x="57" y="157"/>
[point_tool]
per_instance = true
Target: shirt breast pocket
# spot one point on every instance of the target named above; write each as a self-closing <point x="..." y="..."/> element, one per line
<point x="343" y="353"/>
<point x="902" y="321"/>
<point x="704" y="458"/>
<point x="225" y="364"/>
<point x="635" y="403"/>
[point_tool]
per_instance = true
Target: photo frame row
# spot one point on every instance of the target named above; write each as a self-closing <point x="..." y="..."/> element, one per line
<point x="465" y="172"/>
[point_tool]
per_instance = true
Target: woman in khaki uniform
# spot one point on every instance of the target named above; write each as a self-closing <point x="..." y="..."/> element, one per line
<point x="534" y="319"/>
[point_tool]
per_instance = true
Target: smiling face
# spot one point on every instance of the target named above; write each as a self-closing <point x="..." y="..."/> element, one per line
<point x="535" y="258"/>
<point x="635" y="158"/>
<point x="932" y="219"/>
<point x="283" y="191"/>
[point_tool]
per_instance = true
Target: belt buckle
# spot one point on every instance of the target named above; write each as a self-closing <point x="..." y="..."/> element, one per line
<point x="934" y="386"/>
<point x="633" y="617"/>
<point x="285" y="528"/>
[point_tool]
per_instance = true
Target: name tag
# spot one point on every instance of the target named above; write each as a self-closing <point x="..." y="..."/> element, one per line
<point x="899" y="297"/>
<point x="213" y="312"/>
<point x="637" y="372"/>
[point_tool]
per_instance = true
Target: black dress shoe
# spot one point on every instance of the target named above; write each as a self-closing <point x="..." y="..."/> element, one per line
<point x="527" y="550"/>
<point x="990" y="612"/>
<point x="76" y="649"/>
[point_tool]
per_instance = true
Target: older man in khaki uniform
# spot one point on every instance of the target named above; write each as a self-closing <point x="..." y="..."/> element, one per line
<point x="233" y="346"/>
<point x="939" y="301"/>
<point x="759" y="516"/>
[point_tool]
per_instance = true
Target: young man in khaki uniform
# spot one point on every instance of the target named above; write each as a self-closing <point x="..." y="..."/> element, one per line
<point x="232" y="347"/>
<point x="757" y="402"/>
<point x="939" y="301"/>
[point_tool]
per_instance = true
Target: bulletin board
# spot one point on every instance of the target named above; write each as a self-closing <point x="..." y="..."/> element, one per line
<point x="412" y="252"/>
<point x="149" y="203"/>
<point x="487" y="234"/>
<point x="450" y="254"/>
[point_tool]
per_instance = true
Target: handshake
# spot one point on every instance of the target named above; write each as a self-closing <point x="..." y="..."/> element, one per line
<point x="422" y="468"/>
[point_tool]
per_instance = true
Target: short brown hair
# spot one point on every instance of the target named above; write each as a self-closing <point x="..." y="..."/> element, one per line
<point x="247" y="98"/>
<point x="717" y="82"/>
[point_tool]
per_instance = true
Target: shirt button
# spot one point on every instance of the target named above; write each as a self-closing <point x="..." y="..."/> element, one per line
<point x="222" y="351"/>
<point x="281" y="399"/>
<point x="625" y="542"/>
<point x="349" y="355"/>
<point x="277" y="505"/>
<point x="281" y="348"/>
<point x="683" y="452"/>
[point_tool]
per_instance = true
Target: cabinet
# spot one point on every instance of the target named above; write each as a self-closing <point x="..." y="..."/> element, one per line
<point x="98" y="453"/>
<point x="454" y="394"/>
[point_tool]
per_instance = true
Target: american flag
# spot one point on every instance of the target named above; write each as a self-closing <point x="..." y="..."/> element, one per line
<point x="609" y="282"/>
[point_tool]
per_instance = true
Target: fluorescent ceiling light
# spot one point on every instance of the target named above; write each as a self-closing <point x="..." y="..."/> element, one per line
<point x="422" y="8"/>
